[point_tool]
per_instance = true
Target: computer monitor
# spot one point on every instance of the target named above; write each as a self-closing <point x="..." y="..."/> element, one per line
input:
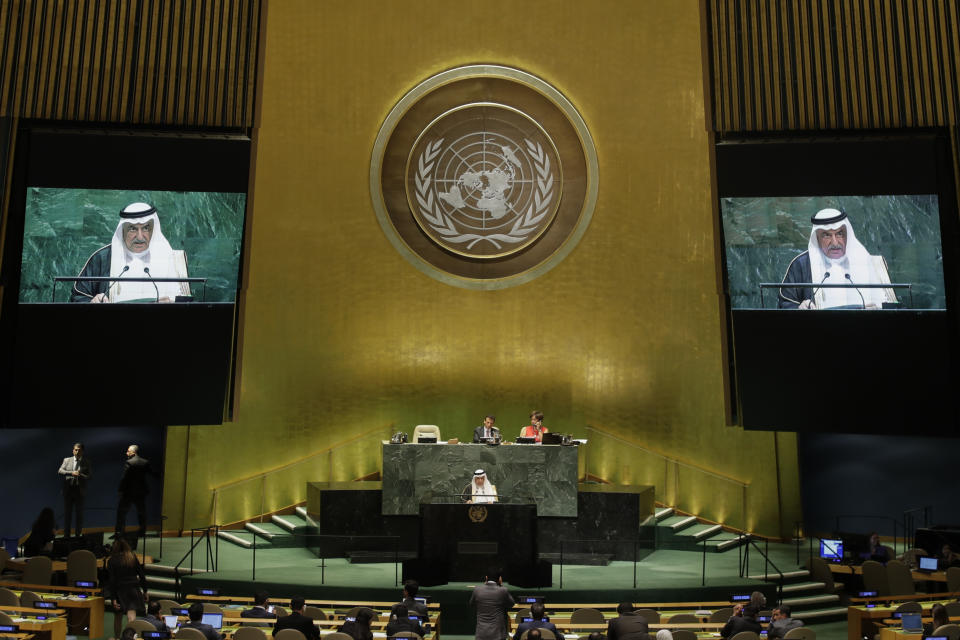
<point x="928" y="564"/>
<point x="215" y="620"/>
<point x="911" y="622"/>
<point x="426" y="439"/>
<point x="831" y="550"/>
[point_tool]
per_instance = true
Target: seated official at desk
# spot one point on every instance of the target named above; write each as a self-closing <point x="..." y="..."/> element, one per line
<point x="153" y="616"/>
<point x="536" y="428"/>
<point x="539" y="622"/>
<point x="196" y="616"/>
<point x="400" y="621"/>
<point x="744" y="618"/>
<point x="359" y="627"/>
<point x="939" y="614"/>
<point x="261" y="600"/>
<point x="628" y="625"/>
<point x="781" y="622"/>
<point x="876" y="551"/>
<point x="296" y="620"/>
<point x="482" y="491"/>
<point x="486" y="430"/>
<point x="948" y="558"/>
<point x="410" y="589"/>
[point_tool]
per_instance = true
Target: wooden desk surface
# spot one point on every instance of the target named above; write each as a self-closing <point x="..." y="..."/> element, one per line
<point x="60" y="566"/>
<point x="285" y="602"/>
<point x="56" y="627"/>
<point x="857" y="570"/>
<point x="22" y="586"/>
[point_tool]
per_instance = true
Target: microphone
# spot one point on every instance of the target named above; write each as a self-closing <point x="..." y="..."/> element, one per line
<point x="146" y="270"/>
<point x="862" y="301"/>
<point x="126" y="268"/>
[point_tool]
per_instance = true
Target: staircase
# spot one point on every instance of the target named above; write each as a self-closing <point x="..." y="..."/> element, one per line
<point x="808" y="600"/>
<point x="280" y="531"/>
<point x="161" y="580"/>
<point x="688" y="533"/>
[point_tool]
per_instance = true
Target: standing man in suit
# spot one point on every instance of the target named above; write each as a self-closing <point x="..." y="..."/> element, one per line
<point x="486" y="430"/>
<point x="296" y="620"/>
<point x="492" y="601"/>
<point x="75" y="472"/>
<point x="133" y="490"/>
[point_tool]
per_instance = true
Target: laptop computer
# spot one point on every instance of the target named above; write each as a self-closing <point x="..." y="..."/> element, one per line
<point x="911" y="622"/>
<point x="526" y="440"/>
<point x="551" y="438"/>
<point x="928" y="564"/>
<point x="171" y="621"/>
<point x="215" y="620"/>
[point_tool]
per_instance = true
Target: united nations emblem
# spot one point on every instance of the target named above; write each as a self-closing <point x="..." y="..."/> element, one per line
<point x="477" y="514"/>
<point x="484" y="176"/>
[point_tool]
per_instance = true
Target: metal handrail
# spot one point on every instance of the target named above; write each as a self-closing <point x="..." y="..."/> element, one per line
<point x="745" y="564"/>
<point x="189" y="554"/>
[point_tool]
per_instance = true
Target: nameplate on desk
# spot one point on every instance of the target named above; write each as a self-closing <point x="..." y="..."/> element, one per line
<point x="40" y="604"/>
<point x="9" y="628"/>
<point x="478" y="548"/>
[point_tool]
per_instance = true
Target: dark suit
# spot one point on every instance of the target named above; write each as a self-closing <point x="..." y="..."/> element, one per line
<point x="300" y="622"/>
<point x="537" y="624"/>
<point x="74" y="490"/>
<point x="736" y="624"/>
<point x="257" y="612"/>
<point x="629" y="626"/>
<point x="492" y="602"/>
<point x="478" y="433"/>
<point x="205" y="629"/>
<point x="412" y="606"/>
<point x="396" y="625"/>
<point x="133" y="491"/>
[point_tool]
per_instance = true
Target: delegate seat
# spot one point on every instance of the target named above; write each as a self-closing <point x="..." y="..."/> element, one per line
<point x="140" y="626"/>
<point x="951" y="631"/>
<point x="290" y="634"/>
<point x="250" y="633"/>
<point x="81" y="565"/>
<point x="899" y="579"/>
<point x="426" y="430"/>
<point x="39" y="570"/>
<point x="188" y="633"/>
<point x="683" y="634"/>
<point x="586" y="616"/>
<point x="875" y="578"/>
<point x="683" y="617"/>
<point x="801" y="633"/>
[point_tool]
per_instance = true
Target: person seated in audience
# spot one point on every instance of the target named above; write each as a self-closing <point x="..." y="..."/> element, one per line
<point x="129" y="634"/>
<point x="876" y="551"/>
<point x="261" y="600"/>
<point x="40" y="540"/>
<point x="153" y="616"/>
<point x="400" y="621"/>
<point x="596" y="635"/>
<point x="195" y="612"/>
<point x="781" y="622"/>
<point x="410" y="589"/>
<point x="296" y="620"/>
<point x="939" y="614"/>
<point x="540" y="621"/>
<point x="744" y="618"/>
<point x="948" y="558"/>
<point x="359" y="628"/>
<point x="628" y="625"/>
<point x="664" y="634"/>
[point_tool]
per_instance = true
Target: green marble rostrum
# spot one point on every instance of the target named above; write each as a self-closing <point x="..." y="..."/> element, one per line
<point x="62" y="227"/>
<point x="544" y="474"/>
<point x="762" y="236"/>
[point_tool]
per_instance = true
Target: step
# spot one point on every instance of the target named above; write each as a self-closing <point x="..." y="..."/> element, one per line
<point x="292" y="524"/>
<point x="242" y="538"/>
<point x="689" y="521"/>
<point x="665" y="512"/>
<point x="276" y="535"/>
<point x="162" y="581"/>
<point x="163" y="594"/>
<point x="808" y="601"/>
<point x="800" y="587"/>
<point x="700" y="531"/>
<point x="787" y="575"/>
<point x="723" y="543"/>
<point x="302" y="512"/>
<point x="820" y="615"/>
<point x="163" y="569"/>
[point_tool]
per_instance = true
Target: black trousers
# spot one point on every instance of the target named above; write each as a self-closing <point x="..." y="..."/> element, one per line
<point x="140" y="502"/>
<point x="73" y="496"/>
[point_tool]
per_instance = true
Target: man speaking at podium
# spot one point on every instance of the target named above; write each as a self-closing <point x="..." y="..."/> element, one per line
<point x="833" y="256"/>
<point x="138" y="250"/>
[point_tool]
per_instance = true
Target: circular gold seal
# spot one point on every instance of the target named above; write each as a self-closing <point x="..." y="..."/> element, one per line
<point x="477" y="514"/>
<point x="484" y="176"/>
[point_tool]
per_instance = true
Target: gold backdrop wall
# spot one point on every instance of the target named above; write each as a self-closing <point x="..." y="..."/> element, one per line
<point x="341" y="335"/>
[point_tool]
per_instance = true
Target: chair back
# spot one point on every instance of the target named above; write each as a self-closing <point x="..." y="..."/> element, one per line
<point x="746" y="635"/>
<point x="189" y="633"/>
<point x="546" y="634"/>
<point x="586" y="616"/>
<point x="4" y="556"/>
<point x="683" y="617"/>
<point x="801" y="633"/>
<point x="209" y="607"/>
<point x="280" y="612"/>
<point x="521" y="614"/>
<point x="338" y="635"/>
<point x="290" y="634"/>
<point x="651" y="616"/>
<point x="412" y="634"/>
<point x="314" y="613"/>
<point x="953" y="609"/>
<point x="875" y="578"/>
<point x="820" y="572"/>
<point x="38" y="571"/>
<point x="166" y="605"/>
<point x="952" y="631"/>
<point x="356" y="610"/>
<point x="721" y="615"/>
<point x="8" y="598"/>
<point x="910" y="557"/>
<point x="27" y="598"/>
<point x="899" y="579"/>
<point x="428" y="430"/>
<point x="140" y="626"/>
<point x="5" y="619"/>
<point x="81" y="565"/>
<point x="249" y="633"/>
<point x="683" y="634"/>
<point x="953" y="579"/>
<point x="909" y="607"/>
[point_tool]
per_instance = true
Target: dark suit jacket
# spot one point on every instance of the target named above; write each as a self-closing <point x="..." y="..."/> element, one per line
<point x="628" y="626"/>
<point x="492" y="602"/>
<point x="412" y="606"/>
<point x="397" y="625"/>
<point x="257" y="612"/>
<point x="478" y="433"/>
<point x="205" y="629"/>
<point x="736" y="624"/>
<point x="300" y="622"/>
<point x="537" y="624"/>
<point x="133" y="482"/>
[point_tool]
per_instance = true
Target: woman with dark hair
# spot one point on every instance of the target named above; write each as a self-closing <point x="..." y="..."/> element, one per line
<point x="940" y="618"/>
<point x="358" y="629"/>
<point x="536" y="428"/>
<point x="127" y="582"/>
<point x="40" y="540"/>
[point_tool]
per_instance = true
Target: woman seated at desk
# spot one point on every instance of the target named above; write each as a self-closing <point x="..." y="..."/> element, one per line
<point x="482" y="491"/>
<point x="536" y="428"/>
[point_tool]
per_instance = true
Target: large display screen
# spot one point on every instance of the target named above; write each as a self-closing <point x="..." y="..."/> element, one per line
<point x="80" y="233"/>
<point x="883" y="239"/>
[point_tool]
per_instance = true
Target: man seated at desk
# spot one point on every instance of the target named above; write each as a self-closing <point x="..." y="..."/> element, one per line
<point x="400" y="621"/>
<point x="487" y="430"/>
<point x="196" y="622"/>
<point x="540" y="621"/>
<point x="482" y="491"/>
<point x="261" y="600"/>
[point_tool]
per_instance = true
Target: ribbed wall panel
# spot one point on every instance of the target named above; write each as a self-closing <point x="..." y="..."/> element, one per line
<point x="163" y="62"/>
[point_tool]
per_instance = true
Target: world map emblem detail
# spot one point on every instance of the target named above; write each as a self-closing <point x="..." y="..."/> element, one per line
<point x="484" y="181"/>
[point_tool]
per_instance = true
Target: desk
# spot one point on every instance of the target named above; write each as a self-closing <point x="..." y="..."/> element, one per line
<point x="51" y="629"/>
<point x="81" y="612"/>
<point x="857" y="570"/>
<point x="865" y="621"/>
<point x="60" y="566"/>
<point x="418" y="473"/>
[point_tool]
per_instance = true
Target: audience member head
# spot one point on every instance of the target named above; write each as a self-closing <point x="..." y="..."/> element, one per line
<point x="537" y="610"/>
<point x="940" y="617"/>
<point x="874" y="539"/>
<point x="153" y="608"/>
<point x="296" y="603"/>
<point x="596" y="635"/>
<point x="536" y="417"/>
<point x="121" y="550"/>
<point x="494" y="574"/>
<point x="750" y="611"/>
<point x="401" y="611"/>
<point x="45" y="522"/>
<point x="534" y="634"/>
<point x="758" y="600"/>
<point x="365" y="615"/>
<point x="410" y="588"/>
<point x="260" y="598"/>
<point x="664" y="634"/>
<point x="128" y="634"/>
<point x="783" y="611"/>
<point x="624" y="607"/>
<point x="195" y="612"/>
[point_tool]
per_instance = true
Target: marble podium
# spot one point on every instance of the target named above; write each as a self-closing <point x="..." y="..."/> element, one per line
<point x="426" y="473"/>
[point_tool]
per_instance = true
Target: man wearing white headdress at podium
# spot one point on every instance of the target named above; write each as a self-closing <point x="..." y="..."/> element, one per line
<point x="138" y="249"/>
<point x="833" y="256"/>
<point x="482" y="491"/>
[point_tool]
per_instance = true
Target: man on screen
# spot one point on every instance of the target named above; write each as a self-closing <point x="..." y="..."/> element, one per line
<point x="833" y="256"/>
<point x="138" y="250"/>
